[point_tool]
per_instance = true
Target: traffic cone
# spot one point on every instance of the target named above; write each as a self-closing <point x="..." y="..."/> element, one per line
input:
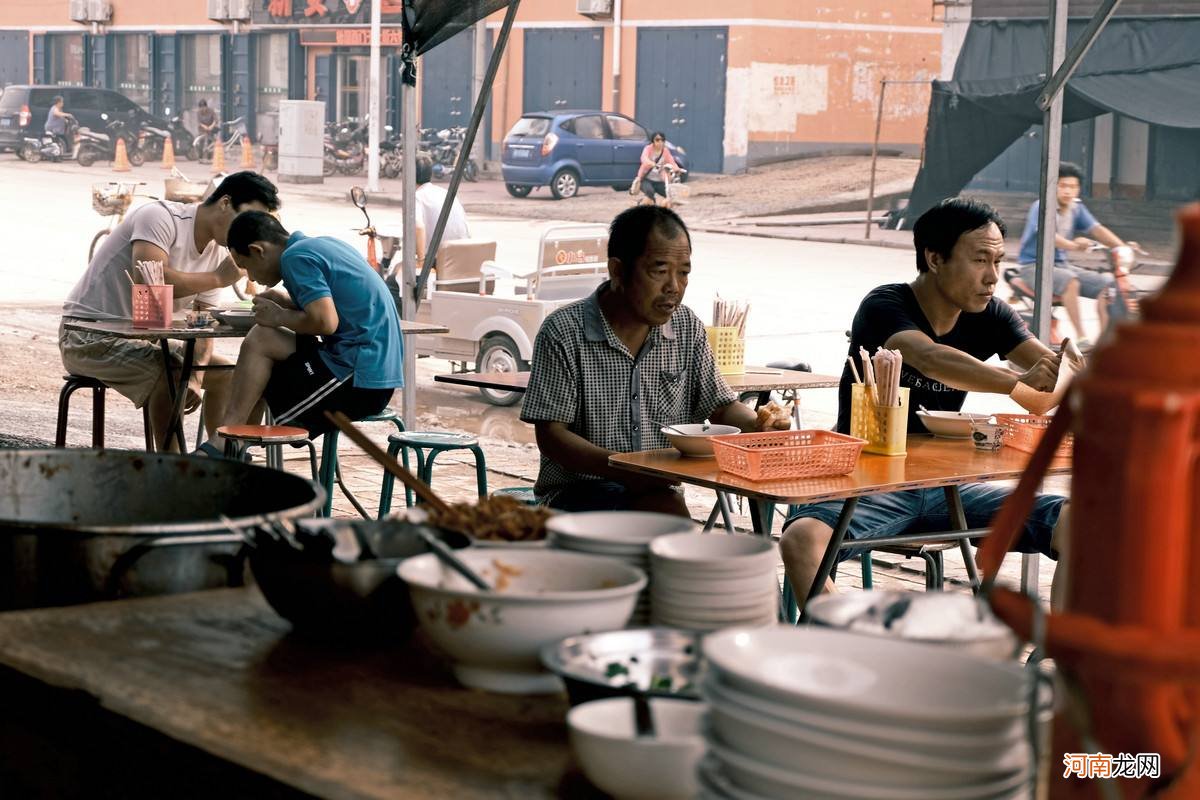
<point x="218" y="164"/>
<point x="168" y="161"/>
<point x="247" y="153"/>
<point x="121" y="161"/>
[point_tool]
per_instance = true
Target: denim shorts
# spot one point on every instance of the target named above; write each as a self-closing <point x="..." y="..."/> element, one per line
<point x="590" y="496"/>
<point x="925" y="511"/>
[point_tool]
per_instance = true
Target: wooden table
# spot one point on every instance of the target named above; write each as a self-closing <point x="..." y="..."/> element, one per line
<point x="207" y="694"/>
<point x="756" y="379"/>
<point x="123" y="329"/>
<point x="931" y="463"/>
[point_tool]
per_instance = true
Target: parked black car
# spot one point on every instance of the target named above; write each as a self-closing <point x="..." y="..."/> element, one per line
<point x="23" y="111"/>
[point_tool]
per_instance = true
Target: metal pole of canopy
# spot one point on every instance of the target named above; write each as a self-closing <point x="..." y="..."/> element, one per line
<point x="408" y="305"/>
<point x="373" y="100"/>
<point x="435" y="239"/>
<point x="1048" y="209"/>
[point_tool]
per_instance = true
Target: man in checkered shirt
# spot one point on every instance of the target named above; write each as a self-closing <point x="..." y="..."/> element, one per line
<point x="611" y="369"/>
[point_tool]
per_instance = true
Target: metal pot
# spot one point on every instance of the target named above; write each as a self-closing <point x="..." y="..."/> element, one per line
<point x="78" y="526"/>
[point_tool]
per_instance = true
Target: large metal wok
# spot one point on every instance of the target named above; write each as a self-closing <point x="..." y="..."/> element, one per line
<point x="83" y="525"/>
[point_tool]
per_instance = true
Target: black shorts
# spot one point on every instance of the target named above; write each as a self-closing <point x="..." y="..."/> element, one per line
<point x="302" y="389"/>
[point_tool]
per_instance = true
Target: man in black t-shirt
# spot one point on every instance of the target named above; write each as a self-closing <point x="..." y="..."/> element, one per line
<point x="946" y="324"/>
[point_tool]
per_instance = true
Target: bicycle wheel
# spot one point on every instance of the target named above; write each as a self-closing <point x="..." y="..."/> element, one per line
<point x="99" y="237"/>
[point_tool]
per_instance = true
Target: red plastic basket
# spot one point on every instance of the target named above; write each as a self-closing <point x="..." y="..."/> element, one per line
<point x="153" y="305"/>
<point x="1024" y="431"/>
<point x="787" y="454"/>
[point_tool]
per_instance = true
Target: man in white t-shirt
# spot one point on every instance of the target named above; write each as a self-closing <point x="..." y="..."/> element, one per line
<point x="430" y="199"/>
<point x="189" y="240"/>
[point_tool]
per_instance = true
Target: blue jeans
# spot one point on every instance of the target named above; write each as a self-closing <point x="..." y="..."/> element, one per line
<point x="925" y="511"/>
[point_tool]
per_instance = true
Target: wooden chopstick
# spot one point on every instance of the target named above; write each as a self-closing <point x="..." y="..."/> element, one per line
<point x="387" y="462"/>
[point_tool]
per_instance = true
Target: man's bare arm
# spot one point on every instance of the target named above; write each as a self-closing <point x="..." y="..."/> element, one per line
<point x="577" y="454"/>
<point x="186" y="283"/>
<point x="963" y="371"/>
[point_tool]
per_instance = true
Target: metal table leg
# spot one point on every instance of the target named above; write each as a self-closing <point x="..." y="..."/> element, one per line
<point x="958" y="519"/>
<point x="726" y="511"/>
<point x="762" y="513"/>
<point x="831" y="553"/>
<point x="178" y="395"/>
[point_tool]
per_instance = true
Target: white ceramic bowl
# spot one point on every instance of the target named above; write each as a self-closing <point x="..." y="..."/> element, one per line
<point x="713" y="552"/>
<point x="493" y="638"/>
<point x="950" y="424"/>
<point x="606" y="745"/>
<point x="827" y="755"/>
<point x="769" y="781"/>
<point x="870" y="678"/>
<point x="680" y="580"/>
<point x="896" y="736"/>
<point x="616" y="532"/>
<point x="957" y="621"/>
<point x="696" y="440"/>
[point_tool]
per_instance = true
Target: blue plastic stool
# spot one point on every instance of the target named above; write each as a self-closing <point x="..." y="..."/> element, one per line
<point x="522" y="494"/>
<point x="436" y="443"/>
<point x="331" y="471"/>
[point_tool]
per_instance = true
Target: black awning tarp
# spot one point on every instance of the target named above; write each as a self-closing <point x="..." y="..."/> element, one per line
<point x="428" y="23"/>
<point x="1148" y="69"/>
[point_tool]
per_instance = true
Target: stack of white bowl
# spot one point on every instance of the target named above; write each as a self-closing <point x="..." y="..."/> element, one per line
<point x="708" y="581"/>
<point x="623" y="535"/>
<point x="831" y="715"/>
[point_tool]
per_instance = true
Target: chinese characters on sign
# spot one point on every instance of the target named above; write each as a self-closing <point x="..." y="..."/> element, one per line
<point x="325" y="12"/>
<point x="1106" y="765"/>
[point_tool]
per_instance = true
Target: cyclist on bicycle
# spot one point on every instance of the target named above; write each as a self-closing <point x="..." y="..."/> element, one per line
<point x="1076" y="230"/>
<point x="56" y="124"/>
<point x="206" y="118"/>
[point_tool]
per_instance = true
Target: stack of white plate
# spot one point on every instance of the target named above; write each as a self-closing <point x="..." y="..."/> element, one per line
<point x="707" y="581"/>
<point x="830" y="715"/>
<point x="623" y="535"/>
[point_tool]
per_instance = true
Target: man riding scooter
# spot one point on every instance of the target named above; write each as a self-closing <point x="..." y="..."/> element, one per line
<point x="1075" y="230"/>
<point x="57" y="121"/>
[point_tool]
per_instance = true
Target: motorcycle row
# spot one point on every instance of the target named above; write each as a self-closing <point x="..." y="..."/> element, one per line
<point x="345" y="146"/>
<point x="88" y="146"/>
<point x="346" y="150"/>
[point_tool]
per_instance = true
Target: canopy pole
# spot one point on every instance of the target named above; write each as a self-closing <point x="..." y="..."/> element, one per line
<point x="1048" y="208"/>
<point x="408" y="293"/>
<point x="435" y="239"/>
<point x="373" y="101"/>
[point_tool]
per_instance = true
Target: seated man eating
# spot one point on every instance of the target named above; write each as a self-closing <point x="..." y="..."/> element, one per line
<point x="946" y="324"/>
<point x="611" y="369"/>
<point x="333" y="294"/>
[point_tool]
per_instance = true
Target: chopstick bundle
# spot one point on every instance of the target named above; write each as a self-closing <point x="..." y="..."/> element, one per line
<point x="728" y="314"/>
<point x="151" y="272"/>
<point x="880" y="374"/>
<point x="887" y="365"/>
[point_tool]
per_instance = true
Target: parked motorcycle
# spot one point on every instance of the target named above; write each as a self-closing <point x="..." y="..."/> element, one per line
<point x="346" y="148"/>
<point x="49" y="146"/>
<point x="92" y="146"/>
<point x="444" y="147"/>
<point x="391" y="154"/>
<point x="152" y="140"/>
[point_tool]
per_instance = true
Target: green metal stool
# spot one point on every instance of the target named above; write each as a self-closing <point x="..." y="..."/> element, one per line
<point x="436" y="443"/>
<point x="331" y="470"/>
<point x="523" y="494"/>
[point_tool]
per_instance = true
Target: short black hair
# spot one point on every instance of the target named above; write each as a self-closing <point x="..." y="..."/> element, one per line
<point x="631" y="229"/>
<point x="203" y="103"/>
<point x="246" y="187"/>
<point x="254" y="226"/>
<point x="424" y="171"/>
<point x="58" y="98"/>
<point x="938" y="228"/>
<point x="1068" y="170"/>
<point x="657" y="134"/>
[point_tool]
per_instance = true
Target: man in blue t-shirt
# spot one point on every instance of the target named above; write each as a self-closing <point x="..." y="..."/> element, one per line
<point x="1075" y="225"/>
<point x="946" y="323"/>
<point x="332" y="343"/>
